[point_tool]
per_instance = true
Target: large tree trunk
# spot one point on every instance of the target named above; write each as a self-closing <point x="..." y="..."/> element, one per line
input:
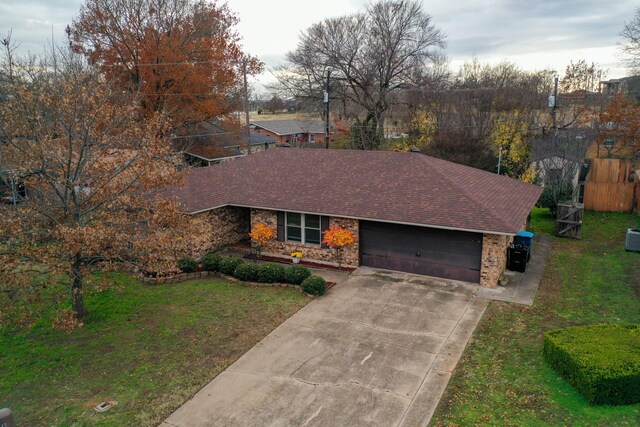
<point x="372" y="134"/>
<point x="77" y="299"/>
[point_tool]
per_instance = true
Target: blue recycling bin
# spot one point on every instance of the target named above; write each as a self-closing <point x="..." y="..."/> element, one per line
<point x="524" y="238"/>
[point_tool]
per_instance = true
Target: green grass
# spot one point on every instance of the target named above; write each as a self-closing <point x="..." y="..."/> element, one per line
<point x="502" y="378"/>
<point x="148" y="348"/>
<point x="542" y="221"/>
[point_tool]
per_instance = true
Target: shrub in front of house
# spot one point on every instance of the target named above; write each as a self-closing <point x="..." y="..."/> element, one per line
<point x="295" y="274"/>
<point x="229" y="264"/>
<point x="270" y="273"/>
<point x="601" y="361"/>
<point x="187" y="265"/>
<point x="246" y="272"/>
<point x="211" y="262"/>
<point x="314" y="285"/>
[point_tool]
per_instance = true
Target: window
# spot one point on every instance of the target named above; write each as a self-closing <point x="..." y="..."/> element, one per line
<point x="312" y="137"/>
<point x="303" y="228"/>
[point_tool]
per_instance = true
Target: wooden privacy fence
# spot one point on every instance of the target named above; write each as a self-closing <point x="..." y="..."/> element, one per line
<point x="609" y="187"/>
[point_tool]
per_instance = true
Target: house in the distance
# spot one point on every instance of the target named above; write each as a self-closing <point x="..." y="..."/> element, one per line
<point x="291" y="131"/>
<point x="211" y="143"/>
<point x="628" y="86"/>
<point x="408" y="212"/>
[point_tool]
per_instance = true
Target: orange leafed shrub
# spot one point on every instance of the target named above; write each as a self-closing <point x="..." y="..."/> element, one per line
<point x="338" y="237"/>
<point x="262" y="233"/>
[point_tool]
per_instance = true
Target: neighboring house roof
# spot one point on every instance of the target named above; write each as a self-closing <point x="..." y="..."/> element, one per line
<point x="212" y="141"/>
<point x="291" y="127"/>
<point x="408" y="188"/>
<point x="211" y="152"/>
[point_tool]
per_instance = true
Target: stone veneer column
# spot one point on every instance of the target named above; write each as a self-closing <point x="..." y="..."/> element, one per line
<point x="494" y="258"/>
<point x="218" y="228"/>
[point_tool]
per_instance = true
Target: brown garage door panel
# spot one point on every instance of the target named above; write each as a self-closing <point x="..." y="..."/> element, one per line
<point x="426" y="268"/>
<point x="441" y="253"/>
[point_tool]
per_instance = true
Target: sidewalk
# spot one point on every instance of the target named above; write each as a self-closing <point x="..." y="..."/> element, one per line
<point x="522" y="287"/>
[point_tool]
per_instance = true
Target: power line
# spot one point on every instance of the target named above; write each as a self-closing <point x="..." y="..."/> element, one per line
<point x="153" y="64"/>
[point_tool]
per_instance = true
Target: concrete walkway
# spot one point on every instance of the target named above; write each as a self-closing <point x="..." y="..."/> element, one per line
<point x="522" y="287"/>
<point x="373" y="351"/>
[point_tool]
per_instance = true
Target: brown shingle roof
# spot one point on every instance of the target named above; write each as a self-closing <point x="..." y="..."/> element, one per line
<point x="386" y="186"/>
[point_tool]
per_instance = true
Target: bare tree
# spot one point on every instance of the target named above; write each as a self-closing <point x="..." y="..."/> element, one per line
<point x="630" y="45"/>
<point x="274" y="104"/>
<point x="582" y="76"/>
<point x="484" y="108"/>
<point x="9" y="48"/>
<point x="559" y="157"/>
<point x="370" y="55"/>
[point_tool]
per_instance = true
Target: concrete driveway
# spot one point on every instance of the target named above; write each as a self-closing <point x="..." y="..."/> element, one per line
<point x="378" y="349"/>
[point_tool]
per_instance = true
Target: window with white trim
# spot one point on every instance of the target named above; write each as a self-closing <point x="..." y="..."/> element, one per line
<point x="312" y="137"/>
<point x="303" y="228"/>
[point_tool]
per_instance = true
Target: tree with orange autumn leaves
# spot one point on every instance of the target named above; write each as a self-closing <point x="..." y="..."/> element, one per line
<point x="619" y="120"/>
<point x="261" y="234"/>
<point x="338" y="238"/>
<point x="182" y="56"/>
<point x="89" y="165"/>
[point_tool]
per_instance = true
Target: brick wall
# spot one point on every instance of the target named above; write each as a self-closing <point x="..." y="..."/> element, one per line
<point x="310" y="252"/>
<point x="218" y="228"/>
<point x="280" y="139"/>
<point x="494" y="258"/>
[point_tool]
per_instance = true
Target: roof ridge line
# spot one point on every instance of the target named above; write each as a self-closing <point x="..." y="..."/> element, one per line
<point x="469" y="195"/>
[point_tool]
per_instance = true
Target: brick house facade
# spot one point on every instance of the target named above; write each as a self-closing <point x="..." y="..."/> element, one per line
<point x="229" y="225"/>
<point x="293" y="131"/>
<point x="350" y="255"/>
<point x="408" y="212"/>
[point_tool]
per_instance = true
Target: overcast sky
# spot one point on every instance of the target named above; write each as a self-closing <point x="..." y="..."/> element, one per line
<point x="535" y="34"/>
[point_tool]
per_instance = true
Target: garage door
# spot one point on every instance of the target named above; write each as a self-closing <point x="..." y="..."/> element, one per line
<point x="429" y="251"/>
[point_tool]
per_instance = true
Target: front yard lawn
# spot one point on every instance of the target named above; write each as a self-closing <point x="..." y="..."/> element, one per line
<point x="148" y="348"/>
<point x="502" y="378"/>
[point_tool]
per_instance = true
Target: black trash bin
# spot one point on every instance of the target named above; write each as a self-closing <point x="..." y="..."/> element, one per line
<point x="517" y="256"/>
<point x="524" y="238"/>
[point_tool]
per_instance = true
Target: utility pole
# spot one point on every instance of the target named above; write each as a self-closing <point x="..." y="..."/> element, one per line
<point x="326" y="117"/>
<point x="554" y="107"/>
<point x="246" y="105"/>
<point x="499" y="159"/>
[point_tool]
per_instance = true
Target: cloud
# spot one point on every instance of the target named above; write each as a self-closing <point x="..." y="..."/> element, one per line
<point x="34" y="23"/>
<point x="517" y="30"/>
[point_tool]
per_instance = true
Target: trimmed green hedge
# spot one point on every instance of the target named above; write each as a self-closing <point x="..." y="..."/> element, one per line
<point x="270" y="273"/>
<point x="187" y="265"/>
<point x="211" y="262"/>
<point x="295" y="274"/>
<point x="229" y="264"/>
<point x="314" y="285"/>
<point x="247" y="272"/>
<point x="601" y="361"/>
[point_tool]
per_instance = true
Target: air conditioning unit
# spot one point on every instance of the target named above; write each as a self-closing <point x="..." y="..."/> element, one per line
<point x="632" y="243"/>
